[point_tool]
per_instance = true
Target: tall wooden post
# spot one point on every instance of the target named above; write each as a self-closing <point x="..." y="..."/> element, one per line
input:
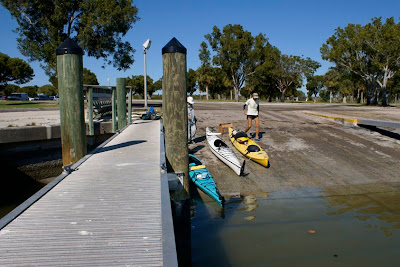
<point x="70" y="87"/>
<point x="130" y="105"/>
<point x="175" y="118"/>
<point x="89" y="98"/>
<point x="113" y="110"/>
<point x="121" y="102"/>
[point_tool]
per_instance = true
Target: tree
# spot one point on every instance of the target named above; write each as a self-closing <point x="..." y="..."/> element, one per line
<point x="191" y="84"/>
<point x="235" y="53"/>
<point x="394" y="87"/>
<point x="96" y="25"/>
<point x="220" y="84"/>
<point x="263" y="80"/>
<point x="331" y="81"/>
<point x="291" y="70"/>
<point x="31" y="90"/>
<point x="14" y="70"/>
<point x="48" y="89"/>
<point x="204" y="73"/>
<point x="300" y="94"/>
<point x="156" y="86"/>
<point x="314" y="84"/>
<point x="346" y="48"/>
<point x="89" y="77"/>
<point x="371" y="52"/>
<point x="345" y="88"/>
<point x="246" y="91"/>
<point x="324" y="94"/>
<point x="9" y="88"/>
<point x="383" y="50"/>
<point x="137" y="83"/>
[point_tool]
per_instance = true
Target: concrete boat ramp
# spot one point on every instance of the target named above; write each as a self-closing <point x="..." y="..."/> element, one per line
<point x="113" y="209"/>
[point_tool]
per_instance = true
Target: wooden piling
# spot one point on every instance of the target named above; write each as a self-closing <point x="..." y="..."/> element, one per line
<point x="175" y="118"/>
<point x="121" y="102"/>
<point x="70" y="86"/>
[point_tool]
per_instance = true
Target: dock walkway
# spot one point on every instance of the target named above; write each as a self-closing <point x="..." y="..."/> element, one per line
<point x="114" y="210"/>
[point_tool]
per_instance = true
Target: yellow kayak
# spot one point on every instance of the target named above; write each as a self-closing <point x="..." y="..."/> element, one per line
<point x="248" y="147"/>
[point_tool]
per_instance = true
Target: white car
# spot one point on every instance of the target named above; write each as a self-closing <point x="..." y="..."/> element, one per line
<point x="18" y="96"/>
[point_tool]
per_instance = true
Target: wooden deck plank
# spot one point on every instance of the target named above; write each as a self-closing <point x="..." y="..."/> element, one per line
<point x="106" y="213"/>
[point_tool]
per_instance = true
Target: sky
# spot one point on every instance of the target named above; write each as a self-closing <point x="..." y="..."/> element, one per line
<point x="294" y="27"/>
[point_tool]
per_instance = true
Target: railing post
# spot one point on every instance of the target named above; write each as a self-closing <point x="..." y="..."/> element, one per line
<point x="113" y="111"/>
<point x="130" y="106"/>
<point x="70" y="86"/>
<point x="175" y="118"/>
<point x="121" y="102"/>
<point x="89" y="98"/>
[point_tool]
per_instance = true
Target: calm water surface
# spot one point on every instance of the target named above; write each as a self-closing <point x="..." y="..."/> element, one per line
<point x="14" y="195"/>
<point x="338" y="227"/>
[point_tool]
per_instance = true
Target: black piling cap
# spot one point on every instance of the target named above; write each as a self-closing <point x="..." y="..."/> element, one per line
<point x="174" y="46"/>
<point x="69" y="47"/>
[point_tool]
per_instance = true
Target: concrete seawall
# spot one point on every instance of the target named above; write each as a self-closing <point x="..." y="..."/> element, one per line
<point x="47" y="132"/>
<point x="35" y="151"/>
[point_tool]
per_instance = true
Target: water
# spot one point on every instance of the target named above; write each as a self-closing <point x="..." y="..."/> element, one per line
<point x="343" y="226"/>
<point x="15" y="188"/>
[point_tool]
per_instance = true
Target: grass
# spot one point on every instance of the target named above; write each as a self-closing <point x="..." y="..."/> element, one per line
<point x="27" y="104"/>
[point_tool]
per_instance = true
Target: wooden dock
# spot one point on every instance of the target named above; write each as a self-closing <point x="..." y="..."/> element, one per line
<point x="112" y="210"/>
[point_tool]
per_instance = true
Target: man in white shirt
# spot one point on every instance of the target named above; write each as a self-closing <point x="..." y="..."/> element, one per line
<point x="253" y="108"/>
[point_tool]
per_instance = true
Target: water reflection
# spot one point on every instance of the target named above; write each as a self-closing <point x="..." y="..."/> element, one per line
<point x="380" y="201"/>
<point x="350" y="226"/>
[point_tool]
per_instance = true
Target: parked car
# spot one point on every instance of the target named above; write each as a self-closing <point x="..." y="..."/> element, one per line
<point x="18" y="96"/>
<point x="43" y="97"/>
<point x="2" y="97"/>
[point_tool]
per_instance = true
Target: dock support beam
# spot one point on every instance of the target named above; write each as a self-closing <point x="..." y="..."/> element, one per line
<point x="70" y="86"/>
<point x="89" y="98"/>
<point x="121" y="102"/>
<point x="113" y="111"/>
<point x="175" y="118"/>
<point x="130" y="105"/>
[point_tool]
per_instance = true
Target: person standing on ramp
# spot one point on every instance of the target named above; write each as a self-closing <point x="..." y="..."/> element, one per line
<point x="253" y="109"/>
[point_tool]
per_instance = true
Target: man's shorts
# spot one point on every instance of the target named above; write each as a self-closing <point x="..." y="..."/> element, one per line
<point x="252" y="116"/>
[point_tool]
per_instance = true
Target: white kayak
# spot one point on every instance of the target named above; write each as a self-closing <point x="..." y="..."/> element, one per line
<point x="224" y="152"/>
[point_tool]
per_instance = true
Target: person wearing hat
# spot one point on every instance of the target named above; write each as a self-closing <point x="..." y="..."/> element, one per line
<point x="253" y="108"/>
<point x="192" y="127"/>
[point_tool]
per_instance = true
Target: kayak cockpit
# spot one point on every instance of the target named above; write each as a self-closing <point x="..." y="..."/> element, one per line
<point x="219" y="143"/>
